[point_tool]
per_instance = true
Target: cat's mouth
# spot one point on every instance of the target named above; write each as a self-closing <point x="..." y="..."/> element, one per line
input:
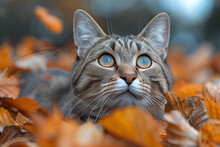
<point x="130" y="94"/>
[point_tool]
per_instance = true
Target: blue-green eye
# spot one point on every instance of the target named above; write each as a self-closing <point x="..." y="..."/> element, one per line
<point x="143" y="61"/>
<point x="106" y="60"/>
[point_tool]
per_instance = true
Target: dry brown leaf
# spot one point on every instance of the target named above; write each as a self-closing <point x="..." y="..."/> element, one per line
<point x="19" y="142"/>
<point x="51" y="22"/>
<point x="6" y="119"/>
<point x="193" y="108"/>
<point x="173" y="103"/>
<point x="21" y="119"/>
<point x="179" y="132"/>
<point x="211" y="90"/>
<point x="12" y="132"/>
<point x="26" y="106"/>
<point x="197" y="112"/>
<point x="134" y="125"/>
<point x="209" y="134"/>
<point x="5" y="56"/>
<point x="9" y="87"/>
<point x="192" y="103"/>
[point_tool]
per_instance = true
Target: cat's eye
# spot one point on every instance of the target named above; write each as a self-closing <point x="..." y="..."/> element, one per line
<point x="143" y="61"/>
<point x="106" y="60"/>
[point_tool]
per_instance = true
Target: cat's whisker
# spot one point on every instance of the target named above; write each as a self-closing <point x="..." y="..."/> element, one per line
<point x="79" y="101"/>
<point x="71" y="109"/>
<point x="103" y="104"/>
<point x="94" y="107"/>
<point x="155" y="100"/>
<point x="157" y="93"/>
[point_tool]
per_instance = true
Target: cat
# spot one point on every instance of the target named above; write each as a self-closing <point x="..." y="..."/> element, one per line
<point x="113" y="71"/>
<point x="110" y="72"/>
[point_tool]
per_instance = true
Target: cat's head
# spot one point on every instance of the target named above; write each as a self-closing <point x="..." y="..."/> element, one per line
<point x="112" y="71"/>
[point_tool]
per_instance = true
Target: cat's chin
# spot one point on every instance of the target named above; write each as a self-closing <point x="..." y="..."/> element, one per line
<point x="128" y="95"/>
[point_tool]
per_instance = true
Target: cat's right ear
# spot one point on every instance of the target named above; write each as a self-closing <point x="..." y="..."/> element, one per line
<point x="86" y="32"/>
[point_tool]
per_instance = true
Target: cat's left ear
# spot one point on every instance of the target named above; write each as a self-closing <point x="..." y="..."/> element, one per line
<point x="86" y="32"/>
<point x="157" y="34"/>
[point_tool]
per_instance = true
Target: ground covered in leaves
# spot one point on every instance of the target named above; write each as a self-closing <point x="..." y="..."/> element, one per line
<point x="192" y="112"/>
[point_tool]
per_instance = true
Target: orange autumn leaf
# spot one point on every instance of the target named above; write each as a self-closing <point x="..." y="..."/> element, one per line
<point x="213" y="110"/>
<point x="9" y="87"/>
<point x="5" y="56"/>
<point x="134" y="125"/>
<point x="51" y="22"/>
<point x="5" y="118"/>
<point x="184" y="89"/>
<point x="21" y="119"/>
<point x="54" y="131"/>
<point x="26" y="106"/>
<point x="209" y="134"/>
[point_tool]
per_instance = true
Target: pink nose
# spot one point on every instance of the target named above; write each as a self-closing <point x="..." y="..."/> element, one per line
<point x="128" y="77"/>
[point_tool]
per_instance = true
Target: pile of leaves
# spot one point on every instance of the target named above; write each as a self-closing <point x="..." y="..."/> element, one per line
<point x="192" y="112"/>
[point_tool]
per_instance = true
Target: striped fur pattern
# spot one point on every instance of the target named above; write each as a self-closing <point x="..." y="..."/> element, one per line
<point x="98" y="90"/>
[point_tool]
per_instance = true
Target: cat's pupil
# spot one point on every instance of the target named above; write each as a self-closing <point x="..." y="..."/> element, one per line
<point x="144" y="61"/>
<point x="107" y="60"/>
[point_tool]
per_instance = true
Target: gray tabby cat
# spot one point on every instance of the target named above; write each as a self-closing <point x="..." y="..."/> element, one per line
<point x="112" y="71"/>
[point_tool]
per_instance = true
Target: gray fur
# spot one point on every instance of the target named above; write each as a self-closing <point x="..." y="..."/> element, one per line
<point x="98" y="90"/>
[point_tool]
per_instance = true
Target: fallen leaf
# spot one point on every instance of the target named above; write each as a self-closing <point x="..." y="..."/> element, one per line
<point x="134" y="125"/>
<point x="21" y="119"/>
<point x="11" y="132"/>
<point x="19" y="142"/>
<point x="190" y="104"/>
<point x="6" y="119"/>
<point x="184" y="89"/>
<point x="198" y="114"/>
<point x="5" y="56"/>
<point x="211" y="90"/>
<point x="26" y="106"/>
<point x="179" y="132"/>
<point x="192" y="108"/>
<point x="51" y="22"/>
<point x="9" y="87"/>
<point x="209" y="134"/>
<point x="54" y="131"/>
<point x="173" y="103"/>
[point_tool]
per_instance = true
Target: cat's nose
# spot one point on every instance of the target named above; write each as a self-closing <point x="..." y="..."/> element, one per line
<point x="128" y="77"/>
<point x="127" y="72"/>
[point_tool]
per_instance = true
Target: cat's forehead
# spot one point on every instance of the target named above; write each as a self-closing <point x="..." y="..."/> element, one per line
<point x="125" y="48"/>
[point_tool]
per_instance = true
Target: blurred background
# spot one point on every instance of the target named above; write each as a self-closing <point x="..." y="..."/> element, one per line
<point x="193" y="22"/>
